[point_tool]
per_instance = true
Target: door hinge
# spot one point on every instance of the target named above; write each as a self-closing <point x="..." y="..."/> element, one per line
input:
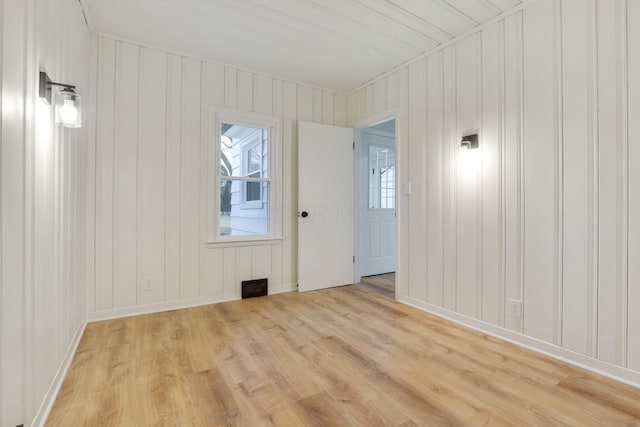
<point x="354" y="259"/>
<point x="354" y="145"/>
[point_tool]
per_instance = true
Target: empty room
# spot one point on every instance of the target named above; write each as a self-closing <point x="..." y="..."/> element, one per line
<point x="319" y="213"/>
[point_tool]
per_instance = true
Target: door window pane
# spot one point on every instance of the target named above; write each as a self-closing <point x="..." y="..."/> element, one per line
<point x="382" y="177"/>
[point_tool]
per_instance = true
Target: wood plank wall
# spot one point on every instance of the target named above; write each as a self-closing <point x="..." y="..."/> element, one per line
<point x="552" y="216"/>
<point x="44" y="218"/>
<point x="150" y="196"/>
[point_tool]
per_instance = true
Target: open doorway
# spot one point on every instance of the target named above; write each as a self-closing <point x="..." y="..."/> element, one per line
<point x="376" y="205"/>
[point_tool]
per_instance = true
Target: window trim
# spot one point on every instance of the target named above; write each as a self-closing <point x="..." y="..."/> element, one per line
<point x="217" y="116"/>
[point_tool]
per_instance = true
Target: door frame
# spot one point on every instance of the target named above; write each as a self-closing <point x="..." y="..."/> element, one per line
<point x="391" y="114"/>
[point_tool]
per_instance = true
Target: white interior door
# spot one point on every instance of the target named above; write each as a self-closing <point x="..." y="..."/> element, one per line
<point x="376" y="203"/>
<point x="326" y="206"/>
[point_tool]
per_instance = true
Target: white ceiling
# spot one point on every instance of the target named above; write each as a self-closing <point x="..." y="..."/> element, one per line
<point x="337" y="44"/>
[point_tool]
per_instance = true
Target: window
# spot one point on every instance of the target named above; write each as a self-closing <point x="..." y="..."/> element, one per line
<point x="382" y="177"/>
<point x="243" y="199"/>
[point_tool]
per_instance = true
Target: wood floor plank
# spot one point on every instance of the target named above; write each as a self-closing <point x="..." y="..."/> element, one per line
<point x="337" y="357"/>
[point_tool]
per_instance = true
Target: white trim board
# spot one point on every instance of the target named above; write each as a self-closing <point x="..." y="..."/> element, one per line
<point x="49" y="399"/>
<point x="599" y="367"/>
<point x="173" y="305"/>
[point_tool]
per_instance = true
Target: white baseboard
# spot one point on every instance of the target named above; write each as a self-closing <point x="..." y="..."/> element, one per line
<point x="283" y="289"/>
<point x="173" y="305"/>
<point x="50" y="398"/>
<point x="157" y="307"/>
<point x="600" y="367"/>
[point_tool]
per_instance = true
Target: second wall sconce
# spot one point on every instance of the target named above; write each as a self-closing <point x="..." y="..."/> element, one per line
<point x="67" y="101"/>
<point x="469" y="142"/>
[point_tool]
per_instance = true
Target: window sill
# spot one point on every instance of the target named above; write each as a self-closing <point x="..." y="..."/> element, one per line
<point x="232" y="243"/>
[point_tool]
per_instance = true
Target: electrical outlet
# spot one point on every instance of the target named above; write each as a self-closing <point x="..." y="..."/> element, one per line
<point x="515" y="308"/>
<point x="148" y="284"/>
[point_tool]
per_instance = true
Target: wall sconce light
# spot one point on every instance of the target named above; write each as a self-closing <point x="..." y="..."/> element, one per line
<point x="469" y="156"/>
<point x="67" y="101"/>
<point x="469" y="142"/>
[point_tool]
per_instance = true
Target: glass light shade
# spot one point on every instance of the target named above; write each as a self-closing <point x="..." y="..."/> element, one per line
<point x="68" y="110"/>
<point x="468" y="162"/>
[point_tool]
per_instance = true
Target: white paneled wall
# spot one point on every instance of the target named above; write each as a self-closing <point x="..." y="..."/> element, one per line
<point x="150" y="188"/>
<point x="44" y="215"/>
<point x="551" y="216"/>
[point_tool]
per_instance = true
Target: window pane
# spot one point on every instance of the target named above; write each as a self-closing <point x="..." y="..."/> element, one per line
<point x="382" y="177"/>
<point x="239" y="217"/>
<point x="243" y="151"/>
<point x="253" y="191"/>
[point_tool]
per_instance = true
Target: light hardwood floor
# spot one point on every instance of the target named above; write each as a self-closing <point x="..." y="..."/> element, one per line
<point x="383" y="283"/>
<point x="338" y="357"/>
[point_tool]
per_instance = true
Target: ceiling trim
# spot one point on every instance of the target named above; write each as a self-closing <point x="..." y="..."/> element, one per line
<point x="87" y="16"/>
<point x="446" y="44"/>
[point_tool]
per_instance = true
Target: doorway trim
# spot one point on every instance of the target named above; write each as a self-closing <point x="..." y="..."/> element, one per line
<point x="402" y="191"/>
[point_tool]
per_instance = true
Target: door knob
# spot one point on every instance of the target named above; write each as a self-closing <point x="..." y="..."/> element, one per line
<point x="304" y="214"/>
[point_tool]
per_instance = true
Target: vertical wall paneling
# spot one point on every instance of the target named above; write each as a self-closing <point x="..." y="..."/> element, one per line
<point x="578" y="179"/>
<point x="277" y="98"/>
<point x="549" y="220"/>
<point x="328" y="107"/>
<point x="402" y="211"/>
<point x="212" y="94"/>
<point x="46" y="197"/>
<point x="304" y="103"/>
<point x="152" y="117"/>
<point x="229" y="272"/>
<point x="172" y="178"/>
<point x="393" y="90"/>
<point x="633" y="75"/>
<point x="126" y="184"/>
<point x="417" y="170"/>
<point x="157" y="160"/>
<point x="317" y="105"/>
<point x="230" y="87"/>
<point x="513" y="172"/>
<point x="380" y="96"/>
<point x="243" y="266"/>
<point x="211" y="271"/>
<point x="245" y="91"/>
<point x="340" y="110"/>
<point x="361" y="103"/>
<point x="491" y="178"/>
<point x="609" y="108"/>
<point x="435" y="193"/>
<point x="449" y="177"/>
<point x="261" y="262"/>
<point x="540" y="154"/>
<point x="370" y="101"/>
<point x="91" y="174"/>
<point x="623" y="180"/>
<point x="263" y="94"/>
<point x="276" y="270"/>
<point x="213" y="85"/>
<point x="468" y="216"/>
<point x="105" y="110"/>
<point x="189" y="179"/>
<point x="289" y="184"/>
<point x="352" y="109"/>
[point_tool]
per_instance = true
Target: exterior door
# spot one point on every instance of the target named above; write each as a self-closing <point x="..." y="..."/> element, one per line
<point x="376" y="203"/>
<point x="325" y="206"/>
